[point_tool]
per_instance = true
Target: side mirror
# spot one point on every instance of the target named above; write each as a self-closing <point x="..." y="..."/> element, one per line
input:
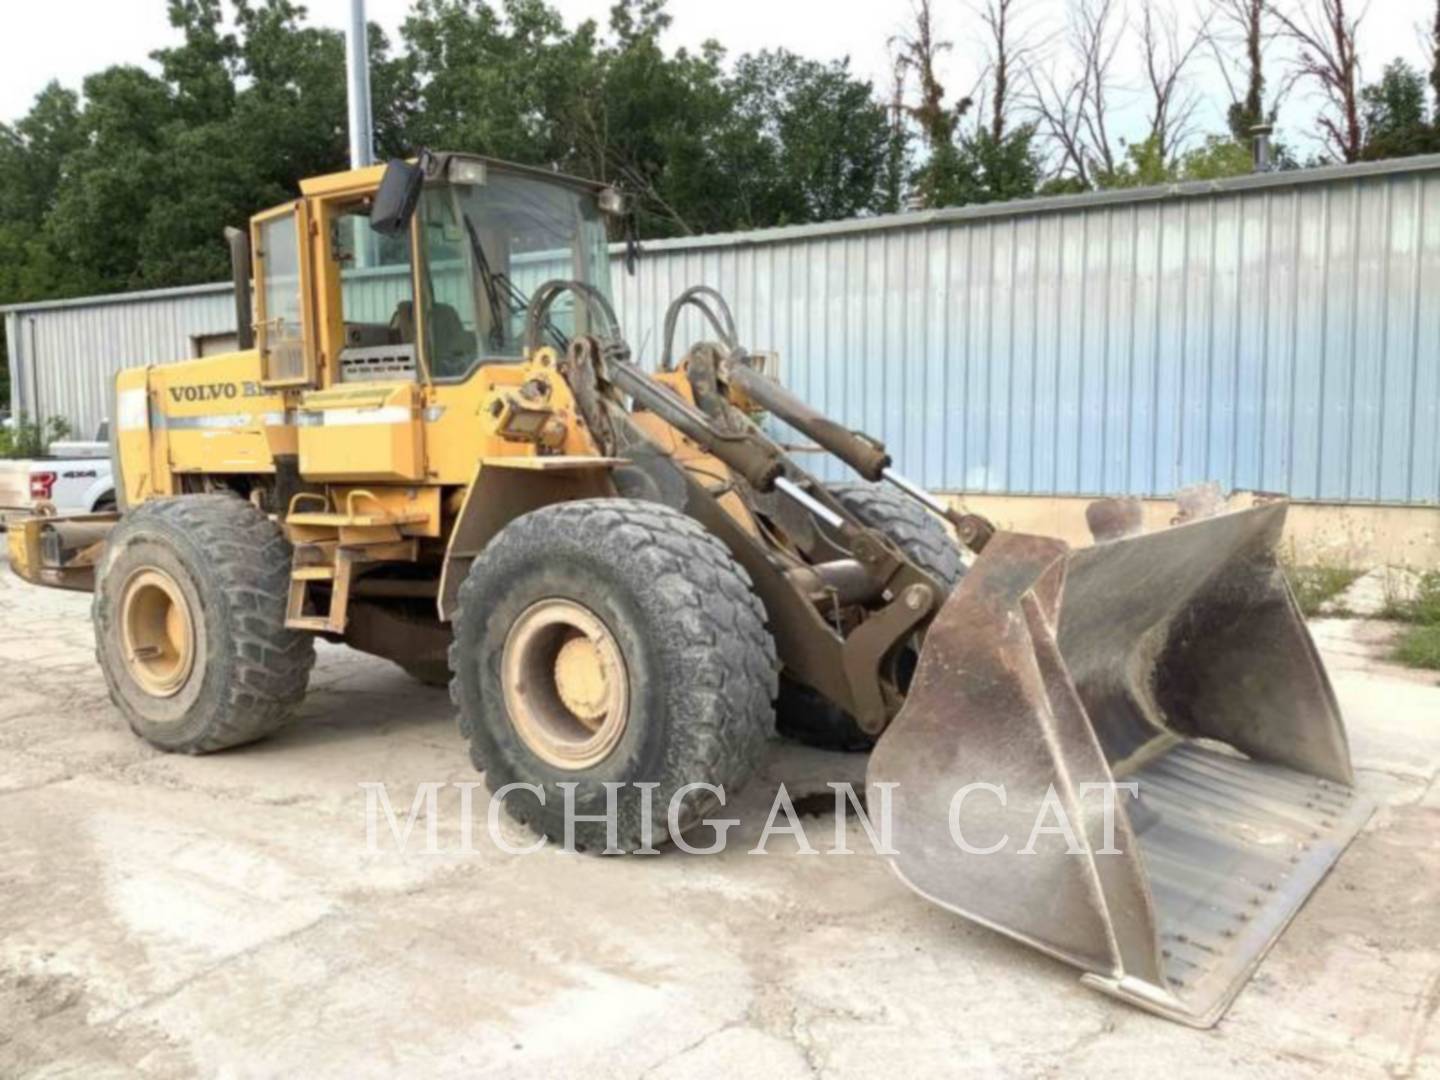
<point x="396" y="198"/>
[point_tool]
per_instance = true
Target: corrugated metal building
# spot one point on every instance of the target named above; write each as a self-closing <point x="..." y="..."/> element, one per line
<point x="1275" y="333"/>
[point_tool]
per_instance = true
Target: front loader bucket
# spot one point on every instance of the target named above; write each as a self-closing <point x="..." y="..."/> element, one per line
<point x="1176" y="662"/>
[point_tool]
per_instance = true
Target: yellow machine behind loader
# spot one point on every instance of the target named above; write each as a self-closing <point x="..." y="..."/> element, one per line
<point x="435" y="447"/>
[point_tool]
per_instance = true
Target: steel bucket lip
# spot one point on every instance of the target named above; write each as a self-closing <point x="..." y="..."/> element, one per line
<point x="1002" y="631"/>
<point x="1203" y="1005"/>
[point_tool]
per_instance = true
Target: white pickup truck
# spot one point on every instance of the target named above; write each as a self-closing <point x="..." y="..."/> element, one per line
<point x="74" y="478"/>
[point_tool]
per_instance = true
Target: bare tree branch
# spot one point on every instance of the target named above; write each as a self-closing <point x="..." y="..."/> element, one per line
<point x="1243" y="32"/>
<point x="1010" y="48"/>
<point x="1166" y="54"/>
<point x="1075" y="107"/>
<point x="1324" y="33"/>
<point x="1059" y="108"/>
<point x="916" y="52"/>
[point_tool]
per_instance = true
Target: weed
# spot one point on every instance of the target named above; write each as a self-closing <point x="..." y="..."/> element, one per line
<point x="1315" y="584"/>
<point x="1419" y="645"/>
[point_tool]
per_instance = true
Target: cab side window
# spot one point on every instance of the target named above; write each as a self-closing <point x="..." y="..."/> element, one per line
<point x="281" y="335"/>
<point x="377" y="299"/>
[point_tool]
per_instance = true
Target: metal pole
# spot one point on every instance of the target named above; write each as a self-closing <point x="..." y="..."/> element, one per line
<point x="357" y="69"/>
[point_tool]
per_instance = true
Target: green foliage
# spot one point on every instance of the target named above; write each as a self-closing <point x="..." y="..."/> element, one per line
<point x="28" y="439"/>
<point x="1422" y="605"/>
<point x="772" y="139"/>
<point x="132" y="187"/>
<point x="1218" y="158"/>
<point x="975" y="167"/>
<point x="1063" y="185"/>
<point x="816" y="135"/>
<point x="1317" y="583"/>
<point x="1144" y="165"/>
<point x="1419" y="644"/>
<point x="1396" y="116"/>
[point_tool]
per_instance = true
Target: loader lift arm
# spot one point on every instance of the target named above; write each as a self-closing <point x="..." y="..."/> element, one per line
<point x="851" y="667"/>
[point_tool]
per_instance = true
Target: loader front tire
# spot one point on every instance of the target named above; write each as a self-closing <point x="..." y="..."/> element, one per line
<point x="189" y="615"/>
<point x="612" y="641"/>
<point x="917" y="532"/>
<point x="805" y="716"/>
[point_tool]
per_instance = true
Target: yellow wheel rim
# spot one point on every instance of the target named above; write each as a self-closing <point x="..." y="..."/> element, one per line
<point x="567" y="692"/>
<point x="158" y="633"/>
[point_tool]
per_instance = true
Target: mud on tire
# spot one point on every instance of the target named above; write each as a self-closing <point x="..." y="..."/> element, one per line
<point x="805" y="716"/>
<point x="700" y="666"/>
<point x="230" y="567"/>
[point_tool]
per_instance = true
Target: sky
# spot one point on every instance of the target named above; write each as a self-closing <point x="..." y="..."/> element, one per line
<point x="67" y="39"/>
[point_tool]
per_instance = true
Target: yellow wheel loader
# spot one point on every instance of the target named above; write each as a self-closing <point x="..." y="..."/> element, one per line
<point x="437" y="447"/>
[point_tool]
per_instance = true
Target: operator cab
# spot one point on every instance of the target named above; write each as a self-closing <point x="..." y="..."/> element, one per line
<point x="485" y="236"/>
<point x="427" y="275"/>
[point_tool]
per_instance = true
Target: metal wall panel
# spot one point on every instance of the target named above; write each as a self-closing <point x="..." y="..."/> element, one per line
<point x="1276" y="333"/>
<point x="64" y="357"/>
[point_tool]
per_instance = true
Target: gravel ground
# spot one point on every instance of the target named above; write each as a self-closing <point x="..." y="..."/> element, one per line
<point x="167" y="916"/>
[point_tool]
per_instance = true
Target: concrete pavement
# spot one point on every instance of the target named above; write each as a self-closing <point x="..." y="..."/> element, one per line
<point x="167" y="916"/>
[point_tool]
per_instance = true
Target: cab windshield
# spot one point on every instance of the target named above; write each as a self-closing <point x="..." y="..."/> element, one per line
<point x="486" y="247"/>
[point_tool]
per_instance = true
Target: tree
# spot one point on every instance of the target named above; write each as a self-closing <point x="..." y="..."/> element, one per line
<point x="1075" y="106"/>
<point x="1217" y="157"/>
<point x="1167" y="53"/>
<point x="824" y="133"/>
<point x="897" y="145"/>
<point x="1395" y="115"/>
<point x="494" y="80"/>
<point x="945" y="178"/>
<point x="201" y="71"/>
<point x="1009" y="51"/>
<point x="1004" y="154"/>
<point x="1241" y="35"/>
<point x="1435" y="61"/>
<point x="969" y="158"/>
<point x="1324" y="33"/>
<point x="661" y="125"/>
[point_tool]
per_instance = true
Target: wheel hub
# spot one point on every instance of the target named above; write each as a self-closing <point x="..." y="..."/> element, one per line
<point x="581" y="680"/>
<point x="566" y="687"/>
<point x="158" y="633"/>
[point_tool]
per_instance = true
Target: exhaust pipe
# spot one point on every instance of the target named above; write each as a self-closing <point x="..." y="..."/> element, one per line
<point x="239" y="241"/>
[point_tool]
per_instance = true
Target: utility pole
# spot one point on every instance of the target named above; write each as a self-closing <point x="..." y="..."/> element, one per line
<point x="357" y="70"/>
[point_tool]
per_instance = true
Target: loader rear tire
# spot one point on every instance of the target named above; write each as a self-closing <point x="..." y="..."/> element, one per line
<point x="682" y="671"/>
<point x="803" y="714"/>
<point x="189" y="615"/>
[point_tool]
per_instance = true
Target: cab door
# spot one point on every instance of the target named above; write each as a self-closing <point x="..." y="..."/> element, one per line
<point x="284" y="313"/>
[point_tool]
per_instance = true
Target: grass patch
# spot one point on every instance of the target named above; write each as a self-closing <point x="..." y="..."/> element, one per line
<point x="1315" y="584"/>
<point x="1419" y="645"/>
